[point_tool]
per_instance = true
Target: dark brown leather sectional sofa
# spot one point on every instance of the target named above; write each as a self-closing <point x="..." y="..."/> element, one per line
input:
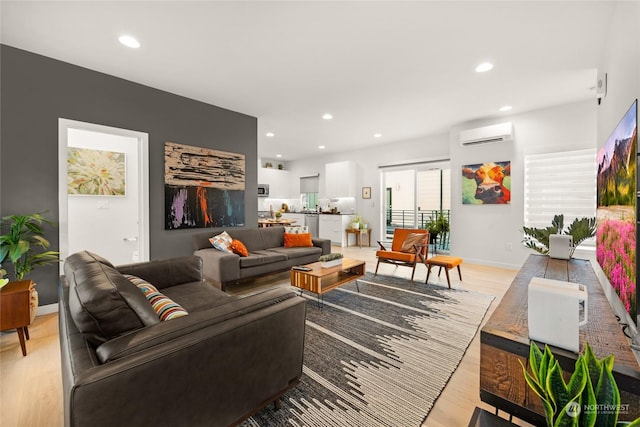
<point x="121" y="366"/>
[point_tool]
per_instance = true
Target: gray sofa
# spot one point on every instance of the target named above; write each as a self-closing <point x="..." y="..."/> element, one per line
<point x="122" y="366"/>
<point x="267" y="255"/>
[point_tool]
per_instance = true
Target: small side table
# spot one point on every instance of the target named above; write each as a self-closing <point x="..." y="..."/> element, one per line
<point x="359" y="233"/>
<point x="18" y="306"/>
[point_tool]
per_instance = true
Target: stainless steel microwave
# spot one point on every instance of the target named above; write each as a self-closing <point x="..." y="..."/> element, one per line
<point x="263" y="190"/>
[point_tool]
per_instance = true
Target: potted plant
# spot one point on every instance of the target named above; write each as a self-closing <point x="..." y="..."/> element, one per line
<point x="437" y="225"/>
<point x="355" y="222"/>
<point x="580" y="230"/>
<point x="23" y="243"/>
<point x="590" y="397"/>
<point x="330" y="260"/>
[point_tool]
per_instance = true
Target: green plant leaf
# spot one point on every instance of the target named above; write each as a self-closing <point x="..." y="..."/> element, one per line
<point x="578" y="380"/>
<point x="4" y="250"/>
<point x="607" y="395"/>
<point x="594" y="366"/>
<point x="547" y="361"/>
<point x="41" y="241"/>
<point x="19" y="249"/>
<point x="634" y="423"/>
<point x="535" y="359"/>
<point x="558" y="223"/>
<point x="564" y="419"/>
<point x="556" y="387"/>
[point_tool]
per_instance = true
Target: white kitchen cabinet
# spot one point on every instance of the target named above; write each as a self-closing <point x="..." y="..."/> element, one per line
<point x="340" y="179"/>
<point x="280" y="183"/>
<point x="333" y="227"/>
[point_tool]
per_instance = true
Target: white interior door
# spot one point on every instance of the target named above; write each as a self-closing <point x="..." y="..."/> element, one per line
<point x="114" y="222"/>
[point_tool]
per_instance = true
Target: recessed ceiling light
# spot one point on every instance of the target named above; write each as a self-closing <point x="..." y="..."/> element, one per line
<point x="129" y="42"/>
<point x="484" y="67"/>
<point x="506" y="108"/>
<point x="327" y="116"/>
<point x="377" y="135"/>
<point x="321" y="147"/>
<point x="270" y="134"/>
<point x="278" y="155"/>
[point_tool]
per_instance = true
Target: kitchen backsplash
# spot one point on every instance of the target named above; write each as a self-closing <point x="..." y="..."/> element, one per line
<point x="343" y="204"/>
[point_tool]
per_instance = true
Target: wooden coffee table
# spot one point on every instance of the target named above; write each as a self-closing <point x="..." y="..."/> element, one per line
<point x="321" y="280"/>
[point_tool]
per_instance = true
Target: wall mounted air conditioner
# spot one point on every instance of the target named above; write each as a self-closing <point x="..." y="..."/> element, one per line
<point x="500" y="132"/>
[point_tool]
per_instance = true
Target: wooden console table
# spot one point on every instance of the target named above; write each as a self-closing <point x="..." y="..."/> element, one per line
<point x="504" y="340"/>
<point x="18" y="305"/>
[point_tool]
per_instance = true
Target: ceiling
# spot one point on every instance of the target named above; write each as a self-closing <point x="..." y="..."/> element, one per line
<point x="402" y="69"/>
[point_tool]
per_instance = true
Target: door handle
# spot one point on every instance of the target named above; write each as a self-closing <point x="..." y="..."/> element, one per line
<point x="130" y="239"/>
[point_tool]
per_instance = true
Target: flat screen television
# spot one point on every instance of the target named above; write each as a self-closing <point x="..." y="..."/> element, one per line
<point x="616" y="233"/>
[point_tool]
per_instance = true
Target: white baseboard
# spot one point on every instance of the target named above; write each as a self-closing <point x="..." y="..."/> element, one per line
<point x="47" y="309"/>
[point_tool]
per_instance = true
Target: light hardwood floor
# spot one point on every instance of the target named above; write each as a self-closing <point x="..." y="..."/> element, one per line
<point x="31" y="386"/>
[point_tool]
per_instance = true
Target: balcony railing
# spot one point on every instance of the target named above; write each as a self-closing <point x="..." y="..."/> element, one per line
<point x="409" y="219"/>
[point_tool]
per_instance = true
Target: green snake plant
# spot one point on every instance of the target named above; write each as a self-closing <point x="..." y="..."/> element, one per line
<point x="590" y="398"/>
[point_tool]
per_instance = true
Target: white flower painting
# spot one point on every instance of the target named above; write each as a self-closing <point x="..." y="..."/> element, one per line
<point x="95" y="172"/>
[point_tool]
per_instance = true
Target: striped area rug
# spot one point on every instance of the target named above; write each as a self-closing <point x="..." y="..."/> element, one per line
<point x="380" y="356"/>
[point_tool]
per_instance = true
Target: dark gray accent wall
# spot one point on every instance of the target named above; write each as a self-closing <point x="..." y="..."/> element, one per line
<point x="36" y="91"/>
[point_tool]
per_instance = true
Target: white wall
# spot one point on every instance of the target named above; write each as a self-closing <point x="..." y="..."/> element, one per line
<point x="482" y="234"/>
<point x="621" y="62"/>
<point x="491" y="234"/>
<point x="367" y="161"/>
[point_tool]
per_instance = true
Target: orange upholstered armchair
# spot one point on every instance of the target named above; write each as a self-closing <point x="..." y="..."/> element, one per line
<point x="409" y="247"/>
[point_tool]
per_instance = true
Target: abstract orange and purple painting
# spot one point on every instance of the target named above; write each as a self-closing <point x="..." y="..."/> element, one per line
<point x="203" y="187"/>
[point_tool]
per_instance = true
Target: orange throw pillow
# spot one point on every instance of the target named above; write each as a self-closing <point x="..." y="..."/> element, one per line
<point x="301" y="240"/>
<point x="239" y="248"/>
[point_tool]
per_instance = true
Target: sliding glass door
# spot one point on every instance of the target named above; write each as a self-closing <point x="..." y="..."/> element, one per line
<point x="418" y="196"/>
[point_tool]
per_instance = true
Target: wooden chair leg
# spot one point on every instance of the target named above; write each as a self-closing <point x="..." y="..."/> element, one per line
<point x="446" y="270"/>
<point x="459" y="273"/>
<point x="426" y="281"/>
<point x="439" y="271"/>
<point x="26" y="332"/>
<point x="377" y="265"/>
<point x="413" y="272"/>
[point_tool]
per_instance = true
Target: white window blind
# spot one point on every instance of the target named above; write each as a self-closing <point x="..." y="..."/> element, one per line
<point x="560" y="183"/>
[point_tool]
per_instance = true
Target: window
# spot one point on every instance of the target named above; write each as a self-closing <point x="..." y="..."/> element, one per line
<point x="560" y="183"/>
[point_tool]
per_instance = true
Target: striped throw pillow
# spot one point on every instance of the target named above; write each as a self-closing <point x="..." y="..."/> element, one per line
<point x="165" y="307"/>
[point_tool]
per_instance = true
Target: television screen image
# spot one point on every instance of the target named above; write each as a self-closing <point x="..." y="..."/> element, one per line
<point x="616" y="234"/>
